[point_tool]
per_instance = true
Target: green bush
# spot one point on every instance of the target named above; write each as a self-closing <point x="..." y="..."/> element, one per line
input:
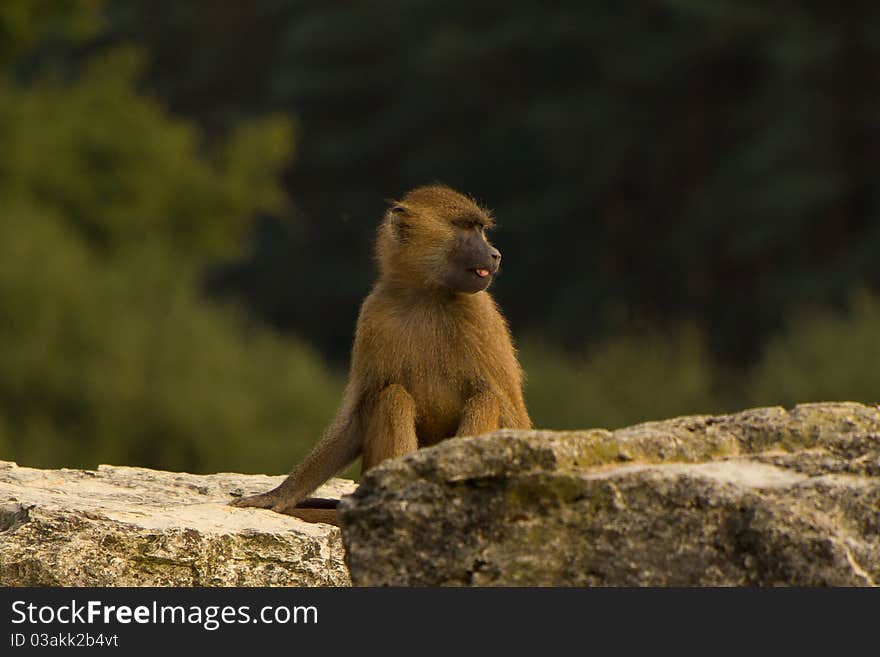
<point x="119" y="169"/>
<point x="118" y="360"/>
<point x="822" y="356"/>
<point x="111" y="210"/>
<point x="26" y="23"/>
<point x="620" y="381"/>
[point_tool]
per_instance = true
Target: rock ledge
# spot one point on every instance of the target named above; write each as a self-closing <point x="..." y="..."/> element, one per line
<point x="762" y="497"/>
<point x="122" y="526"/>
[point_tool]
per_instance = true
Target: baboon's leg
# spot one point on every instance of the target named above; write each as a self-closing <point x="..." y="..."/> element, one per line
<point x="391" y="428"/>
<point x="481" y="414"/>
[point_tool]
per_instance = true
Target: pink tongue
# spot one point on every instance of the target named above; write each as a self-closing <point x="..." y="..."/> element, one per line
<point x="482" y="273"/>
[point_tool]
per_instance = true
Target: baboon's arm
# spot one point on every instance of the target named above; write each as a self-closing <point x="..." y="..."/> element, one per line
<point x="391" y="429"/>
<point x="342" y="443"/>
<point x="481" y="414"/>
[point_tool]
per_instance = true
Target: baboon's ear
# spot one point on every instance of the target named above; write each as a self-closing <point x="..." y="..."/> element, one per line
<point x="398" y="209"/>
<point x="399" y="216"/>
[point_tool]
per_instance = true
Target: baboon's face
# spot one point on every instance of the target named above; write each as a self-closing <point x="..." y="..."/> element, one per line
<point x="435" y="237"/>
<point x="473" y="262"/>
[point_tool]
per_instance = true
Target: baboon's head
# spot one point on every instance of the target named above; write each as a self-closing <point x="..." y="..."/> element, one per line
<point x="436" y="238"/>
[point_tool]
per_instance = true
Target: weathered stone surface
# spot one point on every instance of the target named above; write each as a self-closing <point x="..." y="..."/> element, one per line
<point x="762" y="497"/>
<point x="121" y="526"/>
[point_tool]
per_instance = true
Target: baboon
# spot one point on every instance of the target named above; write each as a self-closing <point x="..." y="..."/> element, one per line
<point x="432" y="357"/>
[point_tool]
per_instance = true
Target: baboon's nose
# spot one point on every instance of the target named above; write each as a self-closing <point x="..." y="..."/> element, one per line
<point x="495" y="253"/>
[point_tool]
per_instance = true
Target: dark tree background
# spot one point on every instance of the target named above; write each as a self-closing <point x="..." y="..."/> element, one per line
<point x="686" y="190"/>
<point x="655" y="160"/>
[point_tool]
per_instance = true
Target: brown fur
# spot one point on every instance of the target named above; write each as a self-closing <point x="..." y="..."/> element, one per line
<point x="429" y="361"/>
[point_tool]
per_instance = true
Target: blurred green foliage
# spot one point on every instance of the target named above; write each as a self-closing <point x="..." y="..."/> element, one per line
<point x="823" y="356"/>
<point x="663" y="161"/>
<point x="119" y="360"/>
<point x="24" y="24"/>
<point x="621" y="380"/>
<point x="703" y="170"/>
<point x="109" y="352"/>
<point x="120" y="170"/>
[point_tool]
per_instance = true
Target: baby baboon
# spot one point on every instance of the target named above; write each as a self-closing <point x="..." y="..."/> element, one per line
<point x="432" y="356"/>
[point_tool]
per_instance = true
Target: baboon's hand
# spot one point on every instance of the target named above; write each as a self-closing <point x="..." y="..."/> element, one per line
<point x="269" y="500"/>
<point x="313" y="509"/>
